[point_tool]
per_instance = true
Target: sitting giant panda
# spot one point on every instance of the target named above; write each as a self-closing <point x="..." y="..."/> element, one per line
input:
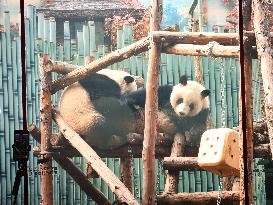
<point x="92" y="108"/>
<point x="181" y="108"/>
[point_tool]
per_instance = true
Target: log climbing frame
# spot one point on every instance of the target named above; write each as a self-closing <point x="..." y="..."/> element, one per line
<point x="180" y="43"/>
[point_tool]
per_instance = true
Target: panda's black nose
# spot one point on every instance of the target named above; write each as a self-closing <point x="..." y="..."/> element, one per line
<point x="182" y="113"/>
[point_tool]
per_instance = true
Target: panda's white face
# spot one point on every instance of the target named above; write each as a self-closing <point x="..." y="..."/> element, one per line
<point x="187" y="100"/>
<point x="121" y="78"/>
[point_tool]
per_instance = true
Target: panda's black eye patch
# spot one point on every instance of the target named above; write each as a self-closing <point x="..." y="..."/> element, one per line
<point x="179" y="101"/>
<point x="129" y="79"/>
<point x="191" y="106"/>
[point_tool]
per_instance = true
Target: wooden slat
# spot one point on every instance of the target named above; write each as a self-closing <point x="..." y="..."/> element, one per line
<point x="200" y="38"/>
<point x="200" y="50"/>
<point x="197" y="198"/>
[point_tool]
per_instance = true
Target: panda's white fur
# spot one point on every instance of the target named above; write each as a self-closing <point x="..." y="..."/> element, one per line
<point x="191" y="95"/>
<point x="118" y="76"/>
<point x="102" y="121"/>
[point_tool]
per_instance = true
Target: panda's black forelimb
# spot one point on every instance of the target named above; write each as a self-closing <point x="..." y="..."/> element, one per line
<point x="98" y="85"/>
<point x="137" y="98"/>
<point x="205" y="93"/>
<point x="183" y="80"/>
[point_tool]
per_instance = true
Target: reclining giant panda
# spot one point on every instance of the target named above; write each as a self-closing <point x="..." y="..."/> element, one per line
<point x="181" y="108"/>
<point x="92" y="108"/>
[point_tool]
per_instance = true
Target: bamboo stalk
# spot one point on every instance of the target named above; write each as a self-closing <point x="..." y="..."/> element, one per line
<point x="98" y="165"/>
<point x="99" y="64"/>
<point x="200" y="50"/>
<point x="201" y="38"/>
<point x="2" y="115"/>
<point x="86" y="40"/>
<point x="67" y="46"/>
<point x="92" y="36"/>
<point x="204" y="198"/>
<point x="46" y="131"/>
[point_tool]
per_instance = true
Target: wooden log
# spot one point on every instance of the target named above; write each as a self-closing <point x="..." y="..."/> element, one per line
<point x="200" y="50"/>
<point x="251" y="38"/>
<point x="73" y="171"/>
<point x="46" y="130"/>
<point x="260" y="151"/>
<point x="63" y="67"/>
<point x="260" y="137"/>
<point x="151" y="108"/>
<point x="265" y="50"/>
<point x="172" y="180"/>
<point x="181" y="163"/>
<point x="246" y="114"/>
<point x="126" y="171"/>
<point x="190" y="163"/>
<point x="117" y="187"/>
<point x="197" y="198"/>
<point x="200" y="38"/>
<point x="103" y="62"/>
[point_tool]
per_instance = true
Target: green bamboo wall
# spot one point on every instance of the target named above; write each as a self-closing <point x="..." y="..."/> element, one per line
<point x="41" y="38"/>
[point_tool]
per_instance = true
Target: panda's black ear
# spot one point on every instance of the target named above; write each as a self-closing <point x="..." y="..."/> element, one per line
<point x="129" y="79"/>
<point x="183" y="80"/>
<point x="205" y="93"/>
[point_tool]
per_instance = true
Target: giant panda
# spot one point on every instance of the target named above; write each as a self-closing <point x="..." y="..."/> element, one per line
<point x="181" y="108"/>
<point x="92" y="108"/>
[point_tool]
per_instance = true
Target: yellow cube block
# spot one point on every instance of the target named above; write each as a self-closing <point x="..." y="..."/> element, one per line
<point x="219" y="152"/>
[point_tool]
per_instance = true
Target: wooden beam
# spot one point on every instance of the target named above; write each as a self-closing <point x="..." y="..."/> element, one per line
<point x="246" y="114"/>
<point x="46" y="130"/>
<point x="172" y="179"/>
<point x="197" y="198"/>
<point x="181" y="163"/>
<point x="73" y="171"/>
<point x="260" y="151"/>
<point x="103" y="62"/>
<point x="200" y="50"/>
<point x="117" y="187"/>
<point x="63" y="67"/>
<point x="200" y="38"/>
<point x="265" y="51"/>
<point x="151" y="108"/>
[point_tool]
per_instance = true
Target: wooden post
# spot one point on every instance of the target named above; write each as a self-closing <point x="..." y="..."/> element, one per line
<point x="46" y="132"/>
<point x="172" y="180"/>
<point x="265" y="52"/>
<point x="151" y="109"/>
<point x="246" y="121"/>
<point x="126" y="171"/>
